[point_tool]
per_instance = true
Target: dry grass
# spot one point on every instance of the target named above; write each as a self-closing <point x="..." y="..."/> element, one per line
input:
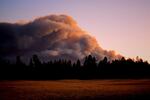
<point x="75" y="89"/>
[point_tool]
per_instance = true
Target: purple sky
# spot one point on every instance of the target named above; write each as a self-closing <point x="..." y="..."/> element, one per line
<point x="121" y="25"/>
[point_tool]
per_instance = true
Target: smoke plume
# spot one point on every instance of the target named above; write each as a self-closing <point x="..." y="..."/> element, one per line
<point x="51" y="37"/>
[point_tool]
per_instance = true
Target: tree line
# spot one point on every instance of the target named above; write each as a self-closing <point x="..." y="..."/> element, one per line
<point x="90" y="68"/>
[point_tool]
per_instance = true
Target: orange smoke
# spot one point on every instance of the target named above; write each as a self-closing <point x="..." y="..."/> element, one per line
<point x="53" y="36"/>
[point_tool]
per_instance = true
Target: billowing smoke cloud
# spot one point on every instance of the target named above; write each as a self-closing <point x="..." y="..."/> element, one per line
<point x="53" y="36"/>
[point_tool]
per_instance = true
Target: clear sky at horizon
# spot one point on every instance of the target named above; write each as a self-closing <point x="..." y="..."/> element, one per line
<point x="120" y="25"/>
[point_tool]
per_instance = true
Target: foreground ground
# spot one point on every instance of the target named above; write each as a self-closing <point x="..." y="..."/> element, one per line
<point x="75" y="89"/>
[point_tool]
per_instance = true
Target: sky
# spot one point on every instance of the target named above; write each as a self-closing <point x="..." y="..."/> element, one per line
<point x="120" y="25"/>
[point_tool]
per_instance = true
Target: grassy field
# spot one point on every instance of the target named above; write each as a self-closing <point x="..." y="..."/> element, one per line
<point x="75" y="89"/>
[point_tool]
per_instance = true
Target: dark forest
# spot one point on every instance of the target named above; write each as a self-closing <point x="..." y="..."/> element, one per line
<point x="90" y="68"/>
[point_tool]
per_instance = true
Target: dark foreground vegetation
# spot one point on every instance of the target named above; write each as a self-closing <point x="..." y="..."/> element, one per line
<point x="126" y="89"/>
<point x="63" y="69"/>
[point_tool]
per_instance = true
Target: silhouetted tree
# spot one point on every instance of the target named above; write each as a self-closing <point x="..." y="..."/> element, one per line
<point x="18" y="61"/>
<point x="31" y="63"/>
<point x="78" y="63"/>
<point x="90" y="61"/>
<point x="36" y="61"/>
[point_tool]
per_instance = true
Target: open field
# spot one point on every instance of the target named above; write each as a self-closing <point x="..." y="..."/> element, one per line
<point x="75" y="89"/>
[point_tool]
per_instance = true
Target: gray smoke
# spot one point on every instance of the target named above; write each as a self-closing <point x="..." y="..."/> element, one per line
<point x="51" y="37"/>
